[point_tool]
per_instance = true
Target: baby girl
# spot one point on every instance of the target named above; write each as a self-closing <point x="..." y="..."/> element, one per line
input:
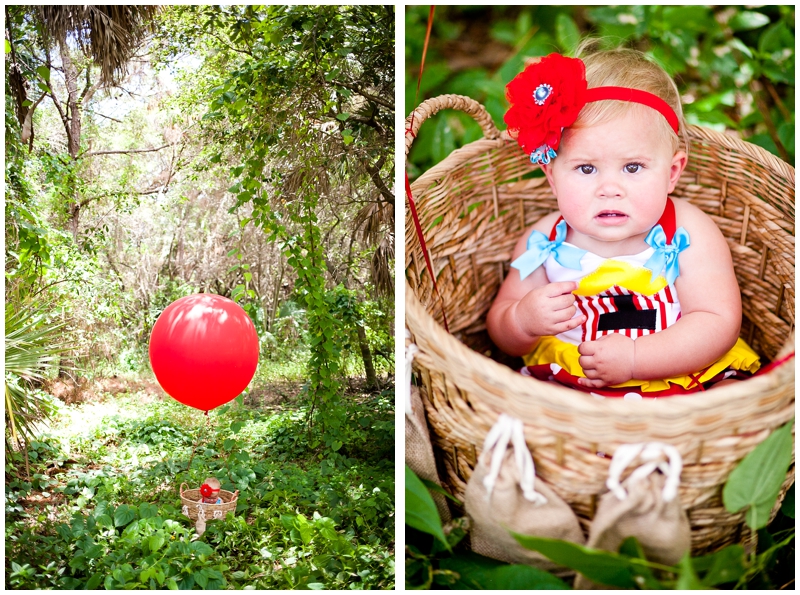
<point x="623" y="291"/>
<point x="210" y="491"/>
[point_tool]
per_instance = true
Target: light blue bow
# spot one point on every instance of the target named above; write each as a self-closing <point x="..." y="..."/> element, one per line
<point x="666" y="255"/>
<point x="540" y="247"/>
<point x="543" y="155"/>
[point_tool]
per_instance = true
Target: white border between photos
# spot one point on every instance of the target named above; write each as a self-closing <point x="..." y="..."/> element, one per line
<point x="399" y="299"/>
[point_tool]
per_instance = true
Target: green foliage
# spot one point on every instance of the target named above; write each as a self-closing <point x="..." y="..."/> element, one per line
<point x="434" y="558"/>
<point x="302" y="521"/>
<point x="318" y="74"/>
<point x="734" y="65"/>
<point x="421" y="511"/>
<point x="757" y="479"/>
<point x="33" y="343"/>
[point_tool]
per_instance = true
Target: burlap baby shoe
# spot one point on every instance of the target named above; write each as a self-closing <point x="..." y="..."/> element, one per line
<point x="644" y="506"/>
<point x="503" y="494"/>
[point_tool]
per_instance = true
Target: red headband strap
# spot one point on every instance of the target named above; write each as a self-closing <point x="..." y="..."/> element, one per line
<point x="635" y="96"/>
<point x="549" y="94"/>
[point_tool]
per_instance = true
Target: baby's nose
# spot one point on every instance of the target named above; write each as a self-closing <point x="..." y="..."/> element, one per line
<point x="610" y="186"/>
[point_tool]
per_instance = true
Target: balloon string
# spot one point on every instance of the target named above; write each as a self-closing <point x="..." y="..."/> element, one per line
<point x="194" y="449"/>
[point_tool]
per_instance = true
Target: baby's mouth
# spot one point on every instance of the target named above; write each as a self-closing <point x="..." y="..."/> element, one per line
<point x="610" y="214"/>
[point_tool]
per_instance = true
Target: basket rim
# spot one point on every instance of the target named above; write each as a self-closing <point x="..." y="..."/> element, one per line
<point x="520" y="392"/>
<point x="182" y="492"/>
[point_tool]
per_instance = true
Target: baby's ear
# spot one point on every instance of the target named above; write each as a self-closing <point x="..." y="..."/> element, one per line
<point x="548" y="172"/>
<point x="679" y="161"/>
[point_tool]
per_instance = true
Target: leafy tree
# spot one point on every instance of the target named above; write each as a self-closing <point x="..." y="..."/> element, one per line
<point x="302" y="111"/>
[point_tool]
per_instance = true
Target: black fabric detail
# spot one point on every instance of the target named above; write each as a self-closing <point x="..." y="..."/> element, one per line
<point x="627" y="316"/>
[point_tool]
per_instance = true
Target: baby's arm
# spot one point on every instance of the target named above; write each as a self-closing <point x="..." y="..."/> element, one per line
<point x="711" y="314"/>
<point x="526" y="309"/>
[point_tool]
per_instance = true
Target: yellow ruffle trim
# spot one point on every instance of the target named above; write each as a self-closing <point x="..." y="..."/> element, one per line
<point x="551" y="350"/>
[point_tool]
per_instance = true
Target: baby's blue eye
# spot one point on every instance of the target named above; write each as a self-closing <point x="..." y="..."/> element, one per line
<point x="587" y="169"/>
<point x="632" y="168"/>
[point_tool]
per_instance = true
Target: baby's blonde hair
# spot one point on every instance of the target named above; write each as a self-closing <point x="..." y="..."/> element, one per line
<point x="623" y="67"/>
<point x="212" y="482"/>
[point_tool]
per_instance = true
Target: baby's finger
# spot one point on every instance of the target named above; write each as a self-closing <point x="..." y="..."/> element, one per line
<point x="587" y="348"/>
<point x="590" y="372"/>
<point x="574" y="322"/>
<point x="589" y="383"/>
<point x="560" y="288"/>
<point x="560" y="302"/>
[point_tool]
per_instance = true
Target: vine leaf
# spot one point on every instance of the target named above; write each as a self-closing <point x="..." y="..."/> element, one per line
<point x="421" y="512"/>
<point x="476" y="572"/>
<point x="757" y="479"/>
<point x="602" y="567"/>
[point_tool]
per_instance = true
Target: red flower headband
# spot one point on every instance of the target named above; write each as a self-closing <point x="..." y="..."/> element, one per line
<point x="547" y="97"/>
<point x="206" y="490"/>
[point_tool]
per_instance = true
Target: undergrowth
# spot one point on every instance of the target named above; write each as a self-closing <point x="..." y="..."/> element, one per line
<point x="101" y="506"/>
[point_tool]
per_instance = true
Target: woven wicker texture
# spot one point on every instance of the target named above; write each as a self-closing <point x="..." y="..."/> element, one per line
<point x="190" y="500"/>
<point x="474" y="205"/>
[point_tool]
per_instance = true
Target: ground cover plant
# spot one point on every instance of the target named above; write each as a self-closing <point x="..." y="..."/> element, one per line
<point x="101" y="507"/>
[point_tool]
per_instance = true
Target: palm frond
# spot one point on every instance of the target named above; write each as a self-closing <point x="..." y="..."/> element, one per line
<point x="33" y="345"/>
<point x="381" y="266"/>
<point x="110" y="34"/>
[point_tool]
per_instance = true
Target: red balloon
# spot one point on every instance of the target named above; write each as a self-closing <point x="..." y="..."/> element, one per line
<point x="204" y="350"/>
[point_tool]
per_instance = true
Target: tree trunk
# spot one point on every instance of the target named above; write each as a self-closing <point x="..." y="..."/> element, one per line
<point x="72" y="123"/>
<point x="276" y="295"/>
<point x="366" y="355"/>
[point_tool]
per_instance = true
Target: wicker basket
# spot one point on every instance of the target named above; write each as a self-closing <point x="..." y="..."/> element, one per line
<point x="474" y="205"/>
<point x="190" y="499"/>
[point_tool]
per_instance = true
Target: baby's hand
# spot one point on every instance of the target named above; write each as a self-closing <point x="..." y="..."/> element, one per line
<point x="606" y="361"/>
<point x="548" y="310"/>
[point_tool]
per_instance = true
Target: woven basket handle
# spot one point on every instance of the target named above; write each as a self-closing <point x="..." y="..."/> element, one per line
<point x="181" y="488"/>
<point x="431" y="106"/>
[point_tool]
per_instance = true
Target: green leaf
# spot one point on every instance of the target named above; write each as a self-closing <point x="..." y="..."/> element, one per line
<point x="93" y="582"/>
<point x="316" y="586"/>
<point x="687" y="579"/>
<point x="477" y="572"/>
<point x="342" y="117"/>
<point x="747" y="19"/>
<point x="567" y="33"/>
<point x="123" y="515"/>
<point x="775" y="38"/>
<point x="724" y="566"/>
<point x="236" y="426"/>
<point x="436" y="222"/>
<point x="439" y="489"/>
<point x="336" y="445"/>
<point x="644" y="576"/>
<point x="228" y="444"/>
<point x="421" y="512"/>
<point x="598" y="566"/>
<point x="147" y="510"/>
<point x="44" y="72"/>
<point x="200" y="578"/>
<point x="8" y="47"/>
<point x="155" y="542"/>
<point x="78" y="562"/>
<point x="757" y="479"/>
